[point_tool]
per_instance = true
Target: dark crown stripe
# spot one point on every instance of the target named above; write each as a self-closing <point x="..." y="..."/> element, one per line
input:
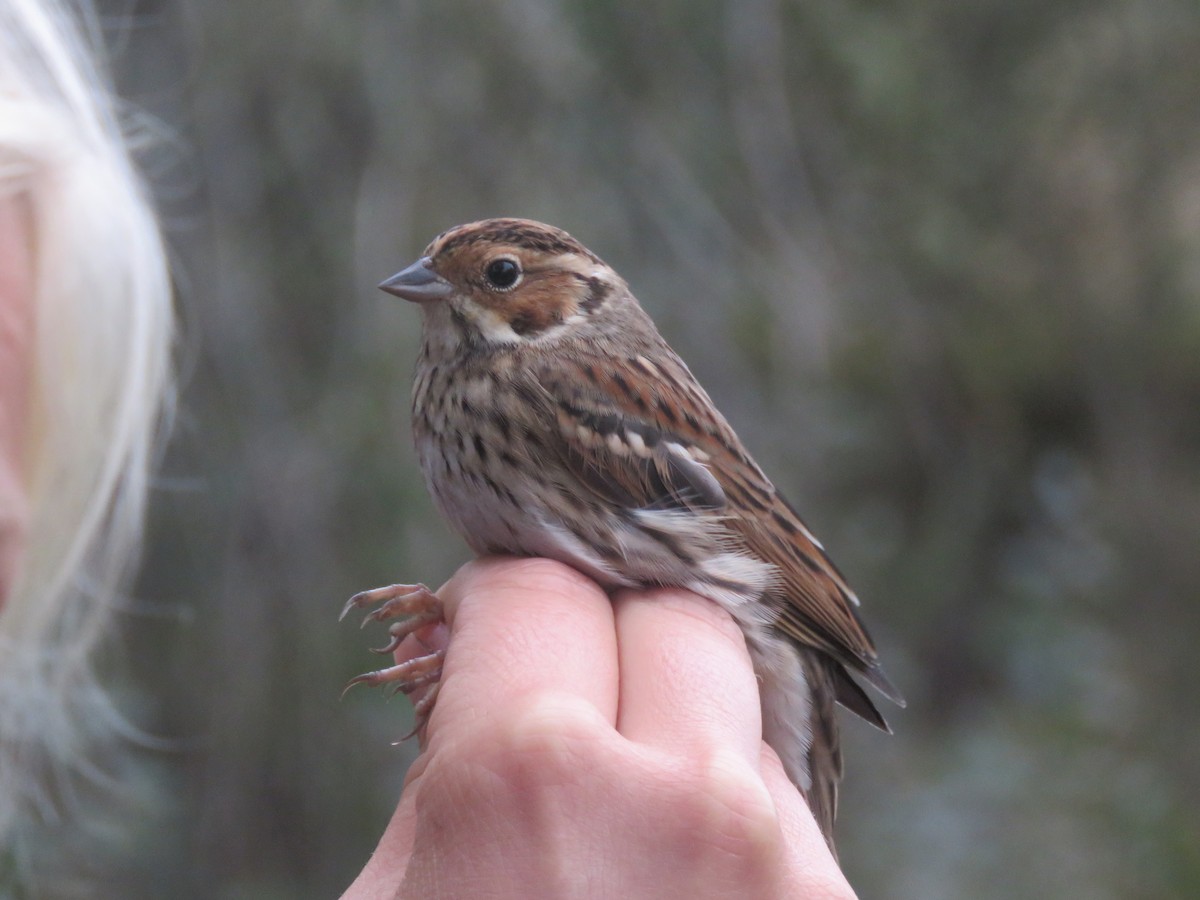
<point x="519" y="233"/>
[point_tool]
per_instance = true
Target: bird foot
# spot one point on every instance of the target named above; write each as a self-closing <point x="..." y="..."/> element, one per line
<point x="396" y="599"/>
<point x="417" y="607"/>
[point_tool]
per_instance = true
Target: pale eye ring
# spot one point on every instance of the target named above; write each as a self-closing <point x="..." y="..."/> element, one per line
<point x="503" y="273"/>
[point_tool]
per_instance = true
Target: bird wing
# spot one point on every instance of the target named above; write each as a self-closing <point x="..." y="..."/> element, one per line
<point x="642" y="433"/>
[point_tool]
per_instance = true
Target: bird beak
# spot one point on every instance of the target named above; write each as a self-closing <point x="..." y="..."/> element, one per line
<point x="418" y="283"/>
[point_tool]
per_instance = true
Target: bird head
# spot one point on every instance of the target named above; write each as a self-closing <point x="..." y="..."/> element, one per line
<point x="508" y="282"/>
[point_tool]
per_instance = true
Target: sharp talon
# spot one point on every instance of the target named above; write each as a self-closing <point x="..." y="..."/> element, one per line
<point x="408" y="687"/>
<point x="396" y="600"/>
<point x="350" y="604"/>
<point x="422" y="709"/>
<point x="404" y="673"/>
<point x="415" y="607"/>
<point x="365" y="598"/>
<point x="414" y="623"/>
<point x="349" y="684"/>
<point x="395" y="642"/>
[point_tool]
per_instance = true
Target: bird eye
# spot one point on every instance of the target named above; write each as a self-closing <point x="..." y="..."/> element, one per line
<point x="502" y="273"/>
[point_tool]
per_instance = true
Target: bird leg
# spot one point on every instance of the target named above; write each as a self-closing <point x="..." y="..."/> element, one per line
<point x="406" y="678"/>
<point x="417" y="607"/>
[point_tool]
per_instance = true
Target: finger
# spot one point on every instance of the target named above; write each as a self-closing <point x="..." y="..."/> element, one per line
<point x="807" y="855"/>
<point x="384" y="871"/>
<point x="523" y="626"/>
<point x="686" y="680"/>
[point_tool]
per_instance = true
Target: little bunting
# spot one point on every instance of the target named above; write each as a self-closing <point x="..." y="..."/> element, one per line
<point x="552" y="419"/>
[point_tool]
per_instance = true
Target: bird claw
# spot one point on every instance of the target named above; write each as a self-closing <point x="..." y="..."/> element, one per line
<point x="411" y="625"/>
<point x="397" y="600"/>
<point x="417" y="607"/>
<point x="422" y="709"/>
<point x="405" y="677"/>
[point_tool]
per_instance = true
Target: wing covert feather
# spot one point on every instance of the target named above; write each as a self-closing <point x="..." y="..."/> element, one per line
<point x="644" y="434"/>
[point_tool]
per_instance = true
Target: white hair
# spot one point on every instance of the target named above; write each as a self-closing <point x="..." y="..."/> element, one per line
<point x="102" y="324"/>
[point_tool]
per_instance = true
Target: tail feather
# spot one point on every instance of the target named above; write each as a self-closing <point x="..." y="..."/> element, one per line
<point x="848" y="693"/>
<point x="800" y="688"/>
<point x="825" y="677"/>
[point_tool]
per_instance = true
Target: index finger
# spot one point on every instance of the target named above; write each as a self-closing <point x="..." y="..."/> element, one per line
<point x="520" y="627"/>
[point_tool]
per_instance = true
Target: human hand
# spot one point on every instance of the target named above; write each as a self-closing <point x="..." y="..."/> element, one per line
<point x="588" y="747"/>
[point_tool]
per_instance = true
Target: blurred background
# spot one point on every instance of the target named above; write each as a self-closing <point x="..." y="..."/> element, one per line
<point x="938" y="262"/>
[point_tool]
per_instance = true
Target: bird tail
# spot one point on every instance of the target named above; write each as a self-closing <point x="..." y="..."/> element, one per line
<point x="824" y="749"/>
<point x="799" y="687"/>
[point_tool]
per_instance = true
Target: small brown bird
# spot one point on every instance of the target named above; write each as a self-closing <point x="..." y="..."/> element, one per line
<point x="551" y="419"/>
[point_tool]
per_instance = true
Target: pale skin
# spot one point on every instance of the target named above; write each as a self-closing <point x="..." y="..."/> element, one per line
<point x="16" y="367"/>
<point x="583" y="746"/>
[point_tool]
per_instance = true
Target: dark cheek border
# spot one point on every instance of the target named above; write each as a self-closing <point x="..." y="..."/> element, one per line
<point x="597" y="293"/>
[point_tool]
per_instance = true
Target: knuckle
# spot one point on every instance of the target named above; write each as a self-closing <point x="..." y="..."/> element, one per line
<point x="538" y="745"/>
<point x="728" y="811"/>
<point x="553" y="735"/>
